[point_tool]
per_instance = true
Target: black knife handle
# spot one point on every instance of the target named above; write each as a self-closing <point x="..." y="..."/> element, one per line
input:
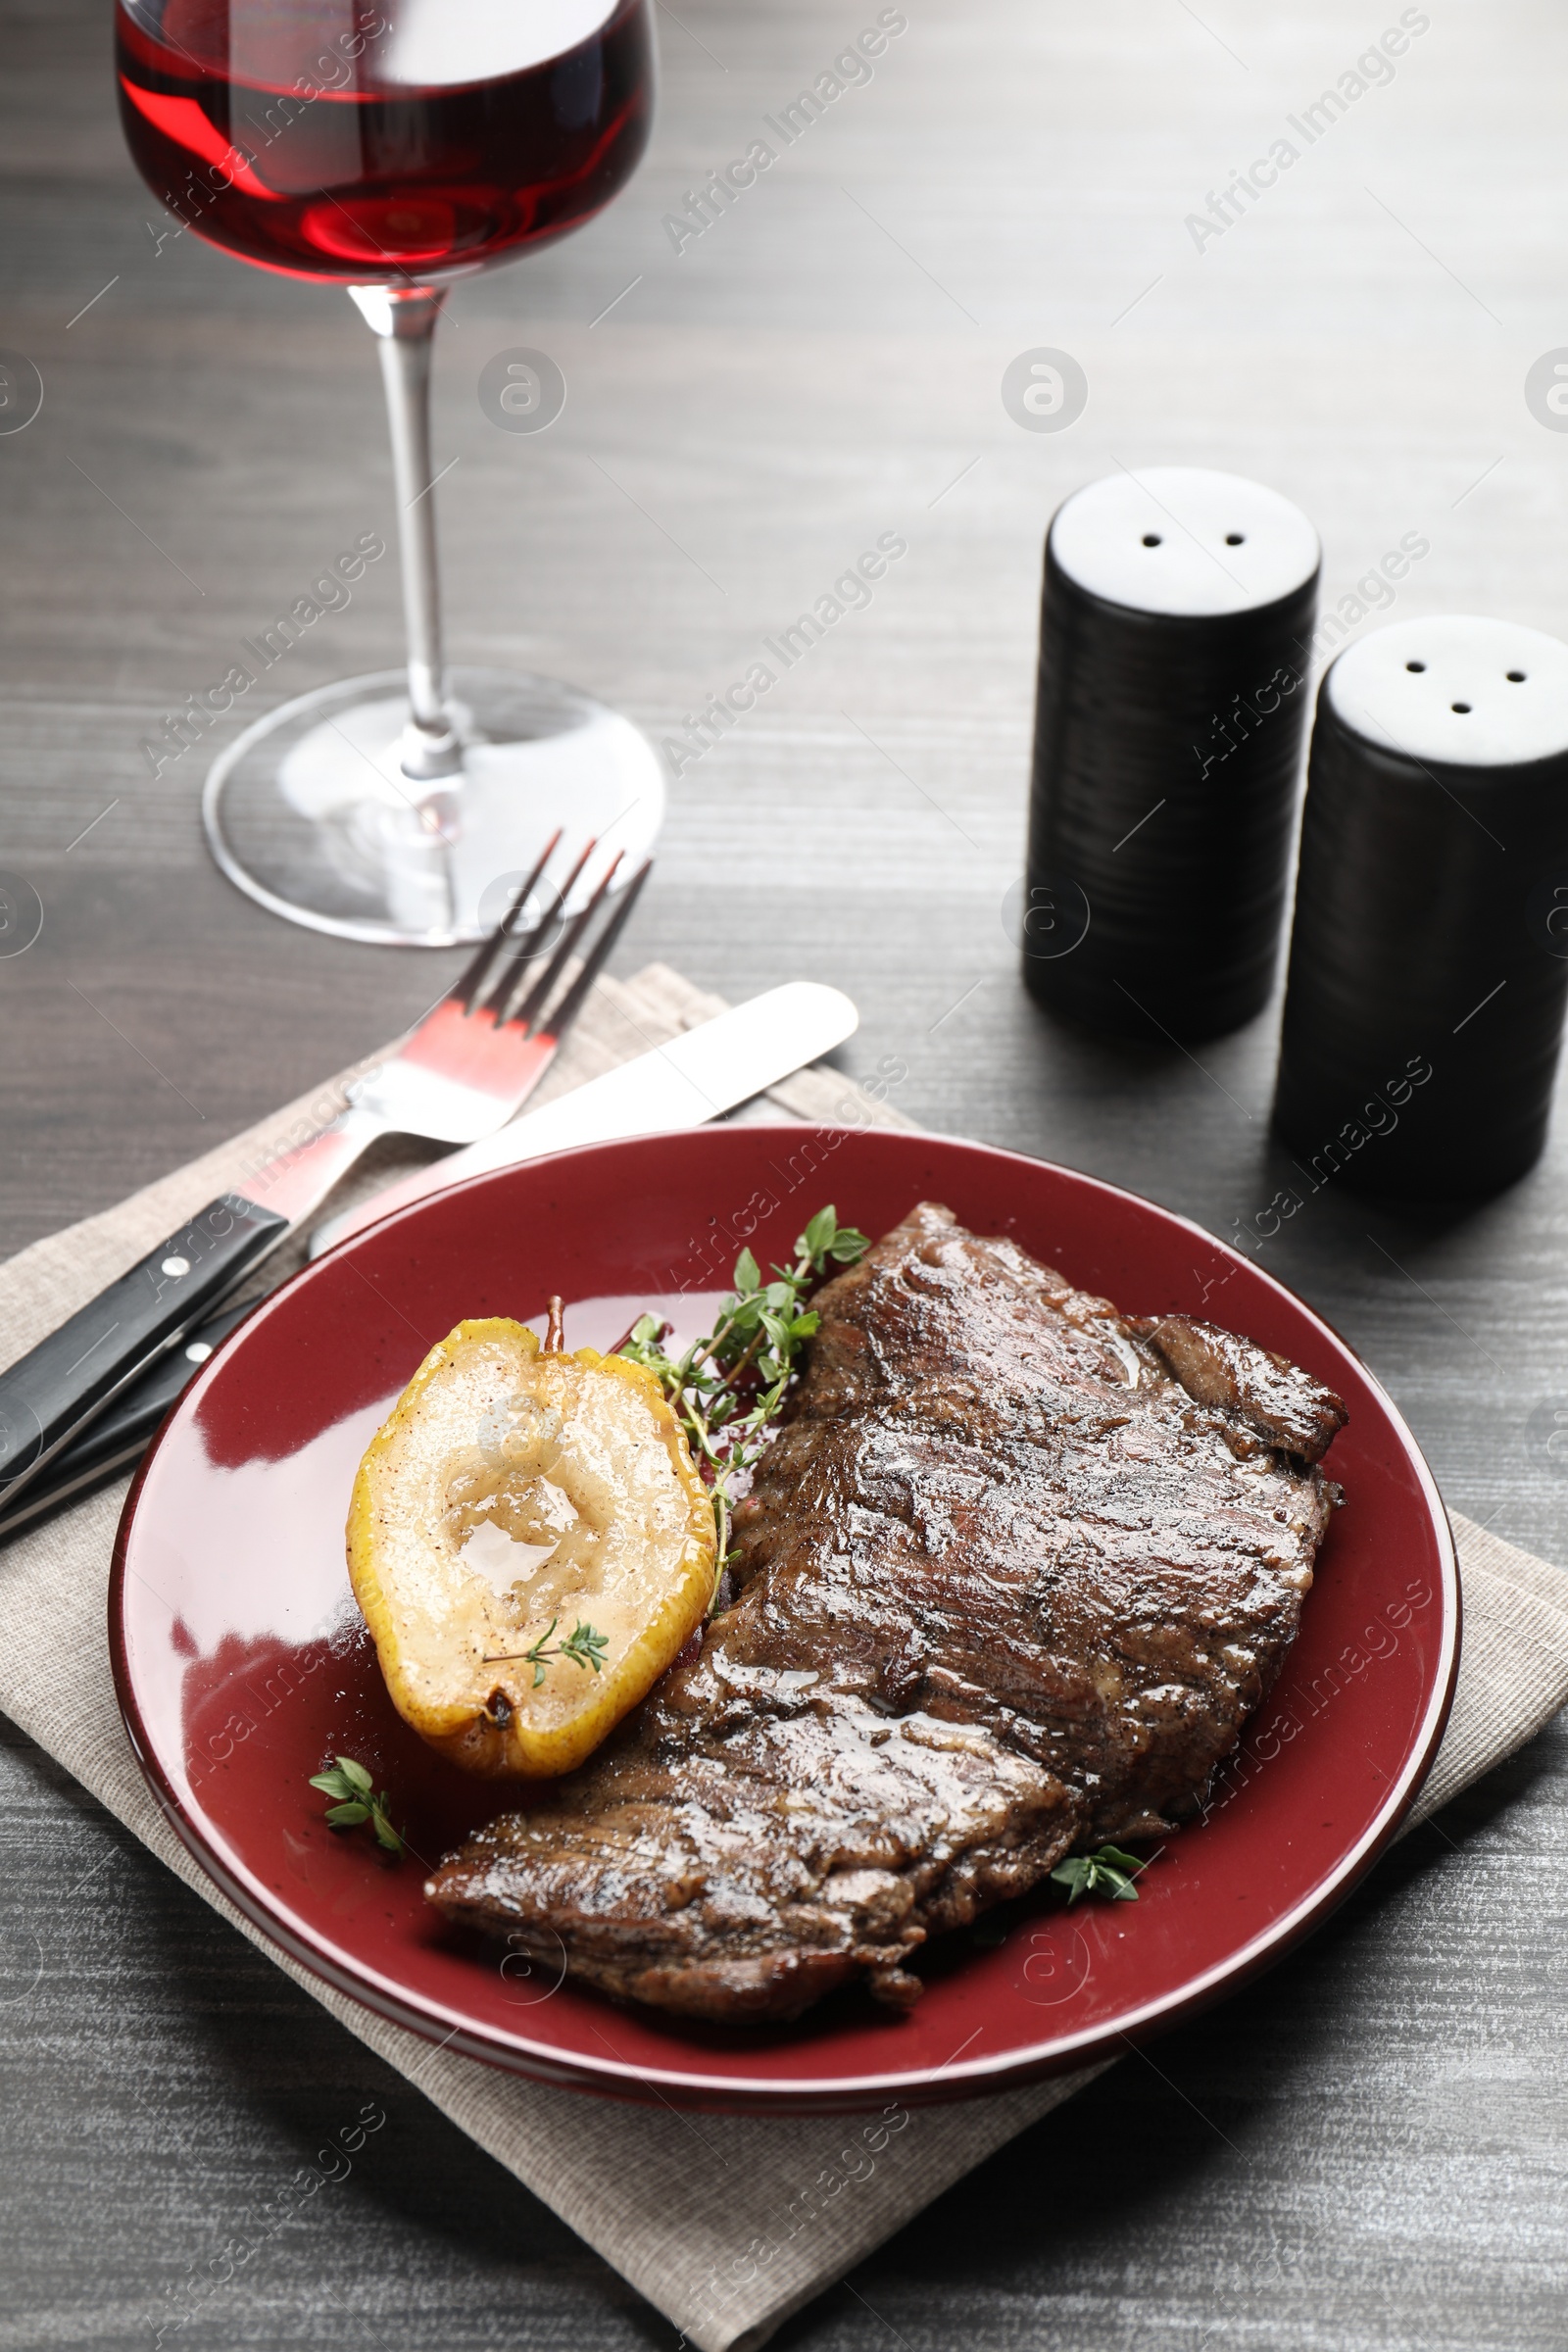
<point x="117" y="1436"/>
<point x="71" y="1375"/>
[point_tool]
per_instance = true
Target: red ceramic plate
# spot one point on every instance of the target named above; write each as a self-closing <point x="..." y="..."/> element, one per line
<point x="242" y="1665"/>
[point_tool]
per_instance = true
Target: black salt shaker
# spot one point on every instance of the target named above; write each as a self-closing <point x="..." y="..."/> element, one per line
<point x="1429" y="950"/>
<point x="1175" y="637"/>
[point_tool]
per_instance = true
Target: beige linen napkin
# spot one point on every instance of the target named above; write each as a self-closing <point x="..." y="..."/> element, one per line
<point x="726" y="2223"/>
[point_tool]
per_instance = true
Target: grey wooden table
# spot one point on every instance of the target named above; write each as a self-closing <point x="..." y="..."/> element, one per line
<point x="1370" y="2147"/>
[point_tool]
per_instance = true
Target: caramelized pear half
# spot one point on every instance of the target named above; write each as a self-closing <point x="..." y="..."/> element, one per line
<point x="531" y="1546"/>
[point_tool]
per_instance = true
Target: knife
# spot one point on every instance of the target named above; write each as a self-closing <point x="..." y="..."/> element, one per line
<point x="120" y="1435"/>
<point x="68" y="1378"/>
<point x="58" y="1389"/>
<point x="696" y="1077"/>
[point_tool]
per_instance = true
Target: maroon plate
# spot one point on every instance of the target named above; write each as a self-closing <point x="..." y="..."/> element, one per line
<point x="242" y="1664"/>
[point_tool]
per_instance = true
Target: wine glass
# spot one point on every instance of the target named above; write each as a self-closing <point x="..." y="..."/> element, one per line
<point x="392" y="146"/>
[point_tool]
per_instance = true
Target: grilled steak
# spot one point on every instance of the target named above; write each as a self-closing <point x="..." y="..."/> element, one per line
<point x="1013" y="1575"/>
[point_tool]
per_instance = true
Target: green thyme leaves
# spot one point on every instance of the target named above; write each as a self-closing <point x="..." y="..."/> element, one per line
<point x="351" y="1783"/>
<point x="729" y="1384"/>
<point x="583" y="1647"/>
<point x="1107" y="1871"/>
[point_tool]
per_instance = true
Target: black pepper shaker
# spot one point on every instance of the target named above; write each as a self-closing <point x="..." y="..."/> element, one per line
<point x="1175" y="636"/>
<point x="1429" y="950"/>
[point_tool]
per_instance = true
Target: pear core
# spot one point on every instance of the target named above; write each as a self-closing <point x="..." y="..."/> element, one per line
<point x="519" y="1502"/>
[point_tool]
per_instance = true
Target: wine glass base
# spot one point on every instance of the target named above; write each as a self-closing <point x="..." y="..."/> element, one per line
<point x="309" y="812"/>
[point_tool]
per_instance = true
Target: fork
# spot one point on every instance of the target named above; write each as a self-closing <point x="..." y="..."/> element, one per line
<point x="458" y="1075"/>
<point x="477" y="1055"/>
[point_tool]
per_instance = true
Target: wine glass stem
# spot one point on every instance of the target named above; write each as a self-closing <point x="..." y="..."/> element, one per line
<point x="404" y="319"/>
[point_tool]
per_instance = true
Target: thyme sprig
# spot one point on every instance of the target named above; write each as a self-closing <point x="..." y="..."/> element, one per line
<point x="729" y="1386"/>
<point x="582" y="1645"/>
<point x="351" y="1783"/>
<point x="1109" y="1872"/>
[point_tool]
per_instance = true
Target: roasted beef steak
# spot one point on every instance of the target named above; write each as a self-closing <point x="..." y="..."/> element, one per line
<point x="1013" y="1575"/>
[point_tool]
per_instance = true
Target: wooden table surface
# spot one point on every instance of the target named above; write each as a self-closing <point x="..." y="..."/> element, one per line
<point x="1370" y="2147"/>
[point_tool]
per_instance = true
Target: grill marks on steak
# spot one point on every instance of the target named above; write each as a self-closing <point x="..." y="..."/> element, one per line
<point x="1013" y="1575"/>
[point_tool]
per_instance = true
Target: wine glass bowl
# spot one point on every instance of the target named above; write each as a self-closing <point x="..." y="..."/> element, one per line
<point x="379" y="144"/>
<point x="393" y="147"/>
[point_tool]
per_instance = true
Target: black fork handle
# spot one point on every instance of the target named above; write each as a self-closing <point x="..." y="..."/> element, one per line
<point x="70" y="1377"/>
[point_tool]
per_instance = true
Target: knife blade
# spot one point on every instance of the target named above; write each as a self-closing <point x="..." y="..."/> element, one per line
<point x="696" y="1077"/>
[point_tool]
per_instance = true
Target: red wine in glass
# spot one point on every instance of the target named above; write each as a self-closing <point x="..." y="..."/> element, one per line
<point x="394" y="146"/>
<point x="305" y="138"/>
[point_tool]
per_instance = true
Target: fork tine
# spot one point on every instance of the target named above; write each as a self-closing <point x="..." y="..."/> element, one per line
<point x="465" y="988"/>
<point x="501" y="992"/>
<point x="571" y="1003"/>
<point x="526" y="1014"/>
